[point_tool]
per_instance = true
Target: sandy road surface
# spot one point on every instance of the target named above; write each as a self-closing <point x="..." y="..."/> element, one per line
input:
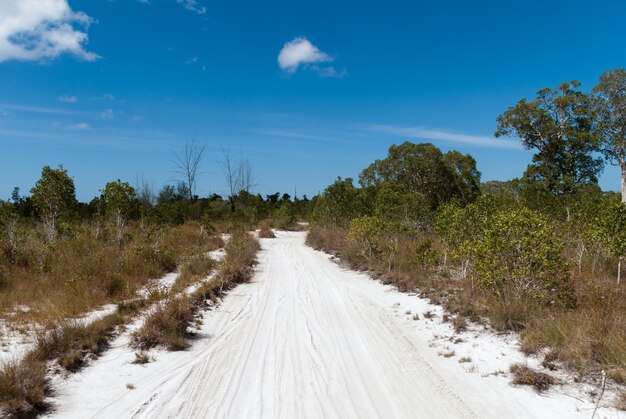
<point x="304" y="339"/>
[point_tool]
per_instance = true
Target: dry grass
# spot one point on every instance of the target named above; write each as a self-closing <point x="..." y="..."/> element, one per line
<point x="23" y="384"/>
<point x="621" y="401"/>
<point x="524" y="375"/>
<point x="459" y="323"/>
<point x="168" y="326"/>
<point x="23" y="388"/>
<point x="265" y="230"/>
<point x="587" y="338"/>
<point x="85" y="269"/>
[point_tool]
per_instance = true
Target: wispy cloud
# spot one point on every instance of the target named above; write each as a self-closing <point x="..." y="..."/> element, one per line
<point x="80" y="126"/>
<point x="295" y="134"/>
<point x="192" y="60"/>
<point x="423" y="133"/>
<point x="107" y="114"/>
<point x="33" y="30"/>
<point x="38" y="109"/>
<point x="68" y="99"/>
<point x="301" y="53"/>
<point x="192" y="5"/>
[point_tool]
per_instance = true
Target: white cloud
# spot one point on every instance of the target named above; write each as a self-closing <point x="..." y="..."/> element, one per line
<point x="300" y="52"/>
<point x="80" y="126"/>
<point x="441" y="135"/>
<point x="192" y="60"/>
<point x="136" y="118"/>
<point x="107" y="114"/>
<point x="32" y="30"/>
<point x="193" y="6"/>
<point x="68" y="99"/>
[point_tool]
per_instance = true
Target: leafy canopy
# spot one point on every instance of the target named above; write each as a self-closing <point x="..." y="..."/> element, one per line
<point x="558" y="124"/>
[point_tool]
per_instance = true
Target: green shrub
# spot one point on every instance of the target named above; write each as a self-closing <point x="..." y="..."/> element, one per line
<point x="518" y="257"/>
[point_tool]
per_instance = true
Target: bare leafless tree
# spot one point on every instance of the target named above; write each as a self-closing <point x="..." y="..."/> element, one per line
<point x="146" y="193"/>
<point x="188" y="161"/>
<point x="238" y="176"/>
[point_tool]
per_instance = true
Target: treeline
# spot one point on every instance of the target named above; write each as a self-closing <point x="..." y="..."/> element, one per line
<point x="53" y="201"/>
<point x="540" y="254"/>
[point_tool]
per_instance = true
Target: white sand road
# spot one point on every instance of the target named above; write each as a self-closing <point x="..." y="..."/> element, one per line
<point x="304" y="339"/>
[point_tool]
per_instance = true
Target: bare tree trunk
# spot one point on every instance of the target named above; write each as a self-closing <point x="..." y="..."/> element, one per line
<point x="619" y="270"/>
<point x="624" y="184"/>
<point x="49" y="228"/>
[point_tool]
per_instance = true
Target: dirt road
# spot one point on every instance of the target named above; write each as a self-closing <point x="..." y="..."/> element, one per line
<point x="304" y="339"/>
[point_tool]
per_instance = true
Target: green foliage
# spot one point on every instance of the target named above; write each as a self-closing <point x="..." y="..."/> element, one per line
<point x="52" y="195"/>
<point x="612" y="226"/>
<point x="422" y="168"/>
<point x="610" y="95"/>
<point x="518" y="257"/>
<point x="425" y="254"/>
<point x="367" y="232"/>
<point x="285" y="216"/>
<point x="118" y="197"/>
<point x="459" y="225"/>
<point x="558" y="124"/>
<point x="341" y="202"/>
<point x="406" y="211"/>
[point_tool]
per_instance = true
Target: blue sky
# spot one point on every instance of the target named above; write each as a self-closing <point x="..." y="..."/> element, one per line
<point x="305" y="92"/>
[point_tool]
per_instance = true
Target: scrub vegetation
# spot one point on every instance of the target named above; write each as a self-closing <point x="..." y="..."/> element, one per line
<point x="541" y="254"/>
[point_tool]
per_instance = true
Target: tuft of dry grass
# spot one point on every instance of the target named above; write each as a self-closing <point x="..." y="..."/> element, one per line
<point x="459" y="323"/>
<point x="621" y="401"/>
<point x="166" y="326"/>
<point x="141" y="357"/>
<point x="465" y="359"/>
<point x="448" y="353"/>
<point x="265" y="230"/>
<point x="23" y="387"/>
<point x="524" y="375"/>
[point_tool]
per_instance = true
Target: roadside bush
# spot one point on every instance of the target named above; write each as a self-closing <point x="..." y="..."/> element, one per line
<point x="367" y="233"/>
<point x="518" y="258"/>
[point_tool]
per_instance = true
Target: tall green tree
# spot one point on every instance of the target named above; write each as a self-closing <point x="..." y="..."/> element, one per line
<point x="558" y="125"/>
<point x="424" y="169"/>
<point x="53" y="195"/>
<point x="610" y="94"/>
<point x="118" y="198"/>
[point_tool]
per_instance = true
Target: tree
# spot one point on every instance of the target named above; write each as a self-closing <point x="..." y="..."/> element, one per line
<point x="610" y="94"/>
<point x="238" y="176"/>
<point x="118" y="197"/>
<point x="466" y="175"/>
<point x="558" y="124"/>
<point x="188" y="161"/>
<point x="423" y="168"/>
<point x="340" y="203"/>
<point x="53" y="195"/>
